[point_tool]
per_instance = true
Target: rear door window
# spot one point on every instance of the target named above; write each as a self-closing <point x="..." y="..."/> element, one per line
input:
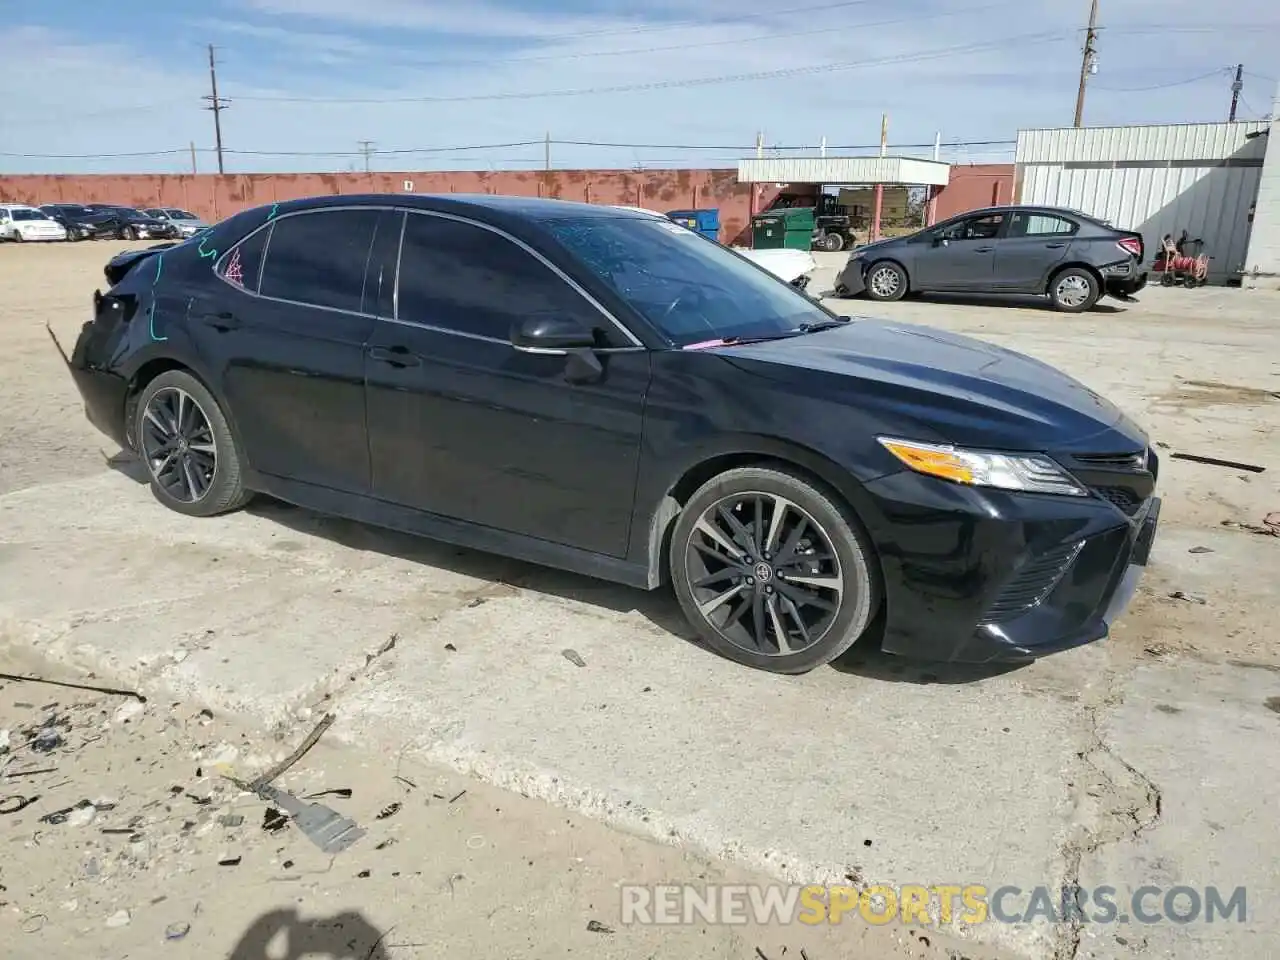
<point x="1041" y="225"/>
<point x="318" y="258"/>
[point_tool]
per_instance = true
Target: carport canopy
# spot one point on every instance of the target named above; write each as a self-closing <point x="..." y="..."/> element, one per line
<point x="899" y="171"/>
<point x="876" y="171"/>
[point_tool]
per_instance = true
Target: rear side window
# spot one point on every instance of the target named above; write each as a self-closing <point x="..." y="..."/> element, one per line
<point x="243" y="266"/>
<point x="319" y="258"/>
<point x="1041" y="225"/>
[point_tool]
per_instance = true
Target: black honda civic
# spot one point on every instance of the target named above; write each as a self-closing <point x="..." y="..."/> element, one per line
<point x="599" y="390"/>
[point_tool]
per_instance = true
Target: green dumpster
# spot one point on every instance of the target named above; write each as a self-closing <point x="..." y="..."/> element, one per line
<point x="789" y="227"/>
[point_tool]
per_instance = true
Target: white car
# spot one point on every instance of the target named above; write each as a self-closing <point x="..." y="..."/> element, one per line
<point x="795" y="267"/>
<point x="21" y="222"/>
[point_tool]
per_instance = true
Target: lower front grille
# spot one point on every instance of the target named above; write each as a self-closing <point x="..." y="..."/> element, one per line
<point x="1032" y="583"/>
<point x="1124" y="498"/>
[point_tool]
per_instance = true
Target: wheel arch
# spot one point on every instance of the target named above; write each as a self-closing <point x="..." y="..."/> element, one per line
<point x="1074" y="264"/>
<point x="866" y="271"/>
<point x="809" y="464"/>
<point x="153" y="367"/>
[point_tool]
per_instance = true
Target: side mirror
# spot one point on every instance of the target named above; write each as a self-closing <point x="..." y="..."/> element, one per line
<point x="551" y="335"/>
<point x="939" y="241"/>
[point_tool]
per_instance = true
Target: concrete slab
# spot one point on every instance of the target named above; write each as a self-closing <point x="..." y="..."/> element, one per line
<point x="1204" y="738"/>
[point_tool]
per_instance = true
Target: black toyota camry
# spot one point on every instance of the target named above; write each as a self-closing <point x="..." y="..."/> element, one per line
<point x="595" y="389"/>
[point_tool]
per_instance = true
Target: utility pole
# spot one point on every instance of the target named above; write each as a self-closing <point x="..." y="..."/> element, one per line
<point x="366" y="147"/>
<point x="217" y="105"/>
<point x="879" y="201"/>
<point x="546" y="151"/>
<point x="1236" y="87"/>
<point x="1089" y="63"/>
<point x="193" y="157"/>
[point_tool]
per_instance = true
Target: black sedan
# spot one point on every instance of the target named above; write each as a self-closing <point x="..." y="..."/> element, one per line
<point x="599" y="390"/>
<point x="81" y="222"/>
<point x="133" y="224"/>
<point x="1070" y="257"/>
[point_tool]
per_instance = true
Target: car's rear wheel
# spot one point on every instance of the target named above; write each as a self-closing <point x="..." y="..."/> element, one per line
<point x="771" y="571"/>
<point x="1074" y="290"/>
<point x="886" y="280"/>
<point x="184" y="439"/>
<point x="831" y="242"/>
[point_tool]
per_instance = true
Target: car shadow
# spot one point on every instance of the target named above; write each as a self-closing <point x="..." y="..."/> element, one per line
<point x="343" y="936"/>
<point x="659" y="607"/>
<point x="1009" y="301"/>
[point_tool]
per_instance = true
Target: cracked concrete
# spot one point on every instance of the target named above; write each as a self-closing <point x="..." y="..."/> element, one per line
<point x="1146" y="759"/>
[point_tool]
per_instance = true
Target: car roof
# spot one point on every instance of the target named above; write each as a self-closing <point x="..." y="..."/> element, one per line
<point x="483" y="206"/>
<point x="1027" y="208"/>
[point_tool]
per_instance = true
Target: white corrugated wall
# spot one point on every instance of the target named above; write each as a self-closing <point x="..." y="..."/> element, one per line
<point x="1263" y="261"/>
<point x="1201" y="178"/>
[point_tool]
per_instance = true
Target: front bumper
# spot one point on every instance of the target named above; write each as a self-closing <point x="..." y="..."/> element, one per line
<point x="849" y="282"/>
<point x="978" y="576"/>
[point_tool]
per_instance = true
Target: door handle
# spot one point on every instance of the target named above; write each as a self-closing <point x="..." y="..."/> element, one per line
<point x="983" y="249"/>
<point x="396" y="356"/>
<point x="224" y="321"/>
<point x="1055" y="246"/>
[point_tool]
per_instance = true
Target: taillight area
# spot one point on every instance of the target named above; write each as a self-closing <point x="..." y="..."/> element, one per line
<point x="1132" y="245"/>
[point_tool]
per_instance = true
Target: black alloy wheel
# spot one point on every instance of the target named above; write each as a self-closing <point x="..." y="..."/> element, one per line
<point x="177" y="442"/>
<point x="772" y="572"/>
<point x="187" y="445"/>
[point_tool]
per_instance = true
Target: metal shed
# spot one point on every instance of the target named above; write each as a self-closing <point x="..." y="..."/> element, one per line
<point x="1198" y="177"/>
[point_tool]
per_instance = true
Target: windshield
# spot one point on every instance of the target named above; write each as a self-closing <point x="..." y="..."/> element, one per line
<point x="21" y="214"/>
<point x="68" y="209"/>
<point x="691" y="289"/>
<point x="180" y="214"/>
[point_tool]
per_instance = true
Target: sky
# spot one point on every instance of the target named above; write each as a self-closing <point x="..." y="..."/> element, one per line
<point x="481" y="84"/>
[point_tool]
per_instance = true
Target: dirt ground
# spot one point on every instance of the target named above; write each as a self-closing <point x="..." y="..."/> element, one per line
<point x="1145" y="756"/>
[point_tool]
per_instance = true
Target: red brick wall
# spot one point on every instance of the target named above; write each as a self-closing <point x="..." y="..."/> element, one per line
<point x="215" y="197"/>
<point x="975" y="186"/>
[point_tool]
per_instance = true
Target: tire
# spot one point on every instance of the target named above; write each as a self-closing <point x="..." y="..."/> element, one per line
<point x="842" y="556"/>
<point x="886" y="281"/>
<point x="831" y="242"/>
<point x="223" y="488"/>
<point x="1074" y="290"/>
<point x="132" y="233"/>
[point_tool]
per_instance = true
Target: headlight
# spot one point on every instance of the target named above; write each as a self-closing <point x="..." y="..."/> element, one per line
<point x="1027" y="473"/>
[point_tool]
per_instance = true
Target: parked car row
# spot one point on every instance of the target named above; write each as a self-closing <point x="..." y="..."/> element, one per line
<point x="95" y="221"/>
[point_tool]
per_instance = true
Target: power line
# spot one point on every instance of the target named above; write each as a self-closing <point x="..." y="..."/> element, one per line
<point x="938" y="54"/>
<point x="1219" y="72"/>
<point x="468" y="148"/>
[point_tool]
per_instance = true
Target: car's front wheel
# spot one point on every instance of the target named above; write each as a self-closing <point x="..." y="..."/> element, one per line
<point x="1074" y="290"/>
<point x="886" y="281"/>
<point x="773" y="572"/>
<point x="184" y="439"/>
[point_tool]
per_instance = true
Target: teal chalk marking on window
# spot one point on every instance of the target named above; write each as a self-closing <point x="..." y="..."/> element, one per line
<point x="274" y="208"/>
<point x="205" y="254"/>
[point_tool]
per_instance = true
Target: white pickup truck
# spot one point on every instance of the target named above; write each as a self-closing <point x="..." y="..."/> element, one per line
<point x="795" y="267"/>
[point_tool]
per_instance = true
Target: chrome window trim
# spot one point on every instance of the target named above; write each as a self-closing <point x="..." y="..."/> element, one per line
<point x="635" y="343"/>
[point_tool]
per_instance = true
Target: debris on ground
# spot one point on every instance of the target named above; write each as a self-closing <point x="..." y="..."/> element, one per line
<point x="390" y="810"/>
<point x="1179" y="595"/>
<point x="1270" y="526"/>
<point x="595" y="926"/>
<point x="92" y="688"/>
<point x="573" y="657"/>
<point x="1215" y="462"/>
<point x="1201" y="550"/>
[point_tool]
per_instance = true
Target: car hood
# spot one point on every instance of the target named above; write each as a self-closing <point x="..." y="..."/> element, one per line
<point x="962" y="390"/>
